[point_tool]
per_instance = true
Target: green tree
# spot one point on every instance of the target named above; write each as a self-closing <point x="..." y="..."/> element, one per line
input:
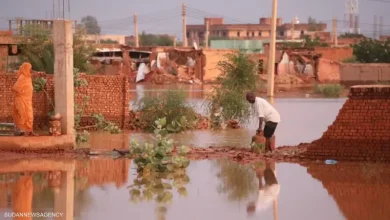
<point x="37" y="48"/>
<point x="91" y="25"/>
<point x="351" y="35"/>
<point x="109" y="41"/>
<point x="372" y="51"/>
<point x="314" y="43"/>
<point x="155" y="40"/>
<point x="313" y="24"/>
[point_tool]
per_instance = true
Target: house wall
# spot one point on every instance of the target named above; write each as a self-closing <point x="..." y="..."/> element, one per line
<point x="108" y="95"/>
<point x="212" y="57"/>
<point x="3" y="58"/>
<point x="350" y="73"/>
<point x="337" y="54"/>
<point x="361" y="130"/>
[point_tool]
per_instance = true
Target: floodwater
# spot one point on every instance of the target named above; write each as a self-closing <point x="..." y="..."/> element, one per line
<point x="99" y="189"/>
<point x="216" y="190"/>
<point x="303" y="120"/>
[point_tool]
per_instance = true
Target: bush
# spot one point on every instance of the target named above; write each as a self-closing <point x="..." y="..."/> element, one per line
<point x="350" y="60"/>
<point x="329" y="90"/>
<point x="171" y="105"/>
<point x="227" y="101"/>
<point x="372" y="51"/>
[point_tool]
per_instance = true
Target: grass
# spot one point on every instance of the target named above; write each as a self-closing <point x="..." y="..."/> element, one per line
<point x="171" y="105"/>
<point x="329" y="90"/>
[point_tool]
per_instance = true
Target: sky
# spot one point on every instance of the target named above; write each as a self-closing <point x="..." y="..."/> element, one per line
<point x="156" y="16"/>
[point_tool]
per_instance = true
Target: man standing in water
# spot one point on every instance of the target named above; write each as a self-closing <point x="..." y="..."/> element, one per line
<point x="267" y="113"/>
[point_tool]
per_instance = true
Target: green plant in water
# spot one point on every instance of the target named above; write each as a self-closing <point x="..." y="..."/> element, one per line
<point x="329" y="90"/>
<point x="237" y="189"/>
<point x="172" y="106"/>
<point x="104" y="125"/>
<point x="227" y="101"/>
<point x="159" y="171"/>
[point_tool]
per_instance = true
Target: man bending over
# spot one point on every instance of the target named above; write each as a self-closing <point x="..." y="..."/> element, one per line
<point x="267" y="113"/>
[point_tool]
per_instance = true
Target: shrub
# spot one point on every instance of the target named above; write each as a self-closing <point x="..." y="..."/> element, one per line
<point x="350" y="60"/>
<point x="329" y="90"/>
<point x="227" y="101"/>
<point x="171" y="105"/>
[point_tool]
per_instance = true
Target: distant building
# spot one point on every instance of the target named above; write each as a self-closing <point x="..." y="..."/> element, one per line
<point x="262" y="30"/>
<point x="19" y="26"/>
<point x="108" y="38"/>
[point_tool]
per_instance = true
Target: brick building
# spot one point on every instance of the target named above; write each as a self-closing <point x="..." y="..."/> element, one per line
<point x="262" y="30"/>
<point x="8" y="49"/>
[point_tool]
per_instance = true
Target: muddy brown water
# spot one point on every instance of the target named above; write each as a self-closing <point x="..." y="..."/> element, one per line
<point x="98" y="189"/>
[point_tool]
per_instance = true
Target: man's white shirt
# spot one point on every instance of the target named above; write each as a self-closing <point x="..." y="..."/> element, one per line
<point x="265" y="110"/>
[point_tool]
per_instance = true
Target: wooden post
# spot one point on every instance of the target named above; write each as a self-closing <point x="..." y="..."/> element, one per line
<point x="136" y="30"/>
<point x="207" y="34"/>
<point x="272" y="49"/>
<point x="183" y="14"/>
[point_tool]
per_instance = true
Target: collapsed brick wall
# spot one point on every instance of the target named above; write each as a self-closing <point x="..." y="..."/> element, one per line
<point x="361" y="191"/>
<point x="361" y="130"/>
<point x="108" y="95"/>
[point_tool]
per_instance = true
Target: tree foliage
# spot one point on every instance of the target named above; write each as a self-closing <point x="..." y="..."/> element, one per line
<point x="314" y="25"/>
<point x="155" y="40"/>
<point x="351" y="35"/>
<point x="372" y="51"/>
<point x="227" y="102"/>
<point x="37" y="48"/>
<point x="91" y="24"/>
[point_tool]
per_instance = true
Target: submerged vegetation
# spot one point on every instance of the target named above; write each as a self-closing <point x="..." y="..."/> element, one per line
<point x="329" y="90"/>
<point x="159" y="169"/>
<point x="227" y="102"/>
<point x="172" y="106"/>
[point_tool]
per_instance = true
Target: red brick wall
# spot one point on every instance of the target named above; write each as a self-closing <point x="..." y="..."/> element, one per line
<point x="337" y="54"/>
<point x="361" y="191"/>
<point x="3" y="58"/>
<point x="109" y="95"/>
<point x="328" y="71"/>
<point x="361" y="130"/>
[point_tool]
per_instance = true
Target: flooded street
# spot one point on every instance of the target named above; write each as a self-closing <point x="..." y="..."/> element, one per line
<point x="100" y="189"/>
<point x="216" y="190"/>
<point x="303" y="120"/>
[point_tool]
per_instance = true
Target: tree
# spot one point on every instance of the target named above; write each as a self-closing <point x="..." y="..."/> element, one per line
<point x="372" y="51"/>
<point x="155" y="40"/>
<point x="37" y="48"/>
<point x="109" y="41"/>
<point x="351" y="35"/>
<point x="91" y="25"/>
<point x="313" y="24"/>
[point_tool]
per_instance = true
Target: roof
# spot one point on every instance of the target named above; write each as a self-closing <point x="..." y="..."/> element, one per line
<point x="236" y="27"/>
<point x="302" y="26"/>
<point x="250" y="46"/>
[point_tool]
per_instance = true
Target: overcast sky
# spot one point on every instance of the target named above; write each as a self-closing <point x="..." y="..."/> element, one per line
<point x="115" y="16"/>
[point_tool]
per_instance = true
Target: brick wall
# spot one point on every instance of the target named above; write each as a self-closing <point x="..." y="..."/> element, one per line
<point x="212" y="57"/>
<point x="328" y="71"/>
<point x="361" y="130"/>
<point x="336" y="54"/>
<point x="361" y="191"/>
<point x="109" y="95"/>
<point x="3" y="58"/>
<point x="360" y="72"/>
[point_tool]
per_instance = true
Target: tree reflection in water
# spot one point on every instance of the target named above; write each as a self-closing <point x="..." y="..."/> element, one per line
<point x="238" y="181"/>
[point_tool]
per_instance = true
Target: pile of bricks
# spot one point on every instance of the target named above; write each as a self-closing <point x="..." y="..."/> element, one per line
<point x="109" y="96"/>
<point x="361" y="130"/>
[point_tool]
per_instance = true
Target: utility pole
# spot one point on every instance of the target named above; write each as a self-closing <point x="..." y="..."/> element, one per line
<point x="334" y="33"/>
<point x="207" y="34"/>
<point x="272" y="49"/>
<point x="375" y="26"/>
<point x="183" y="14"/>
<point x="292" y="29"/>
<point x="136" y="30"/>
<point x="380" y="26"/>
<point x="54" y="10"/>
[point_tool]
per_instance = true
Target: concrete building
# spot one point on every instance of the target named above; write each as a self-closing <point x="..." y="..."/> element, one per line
<point x="262" y="30"/>
<point x="18" y="26"/>
<point x="98" y="38"/>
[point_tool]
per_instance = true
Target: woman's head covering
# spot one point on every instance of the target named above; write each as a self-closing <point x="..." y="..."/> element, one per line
<point x="25" y="70"/>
